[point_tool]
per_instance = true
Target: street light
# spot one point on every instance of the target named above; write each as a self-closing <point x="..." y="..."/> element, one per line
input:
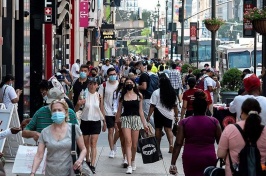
<point x="158" y="12"/>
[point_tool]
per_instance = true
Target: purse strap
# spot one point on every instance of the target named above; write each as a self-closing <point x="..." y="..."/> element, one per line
<point x="73" y="145"/>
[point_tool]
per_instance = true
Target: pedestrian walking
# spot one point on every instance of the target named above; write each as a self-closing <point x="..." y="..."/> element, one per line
<point x="91" y="119"/>
<point x="106" y="90"/>
<point x="199" y="132"/>
<point x="164" y="109"/>
<point x="57" y="139"/>
<point x="132" y="119"/>
<point x="255" y="133"/>
<point x="75" y="69"/>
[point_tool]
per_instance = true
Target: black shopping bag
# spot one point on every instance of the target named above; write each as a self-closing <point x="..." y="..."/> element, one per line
<point x="149" y="150"/>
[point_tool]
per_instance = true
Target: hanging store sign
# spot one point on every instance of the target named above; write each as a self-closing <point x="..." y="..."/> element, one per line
<point x="83" y="13"/>
<point x="93" y="13"/>
<point x="248" y="31"/>
<point x="108" y="35"/>
<point x="193" y="32"/>
<point x="174" y="37"/>
<point x="50" y="11"/>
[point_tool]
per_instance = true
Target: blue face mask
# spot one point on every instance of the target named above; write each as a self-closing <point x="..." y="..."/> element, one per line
<point x="112" y="78"/>
<point x="82" y="75"/>
<point x="58" y="117"/>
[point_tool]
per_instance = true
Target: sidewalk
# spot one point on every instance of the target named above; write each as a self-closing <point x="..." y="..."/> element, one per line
<point x="112" y="167"/>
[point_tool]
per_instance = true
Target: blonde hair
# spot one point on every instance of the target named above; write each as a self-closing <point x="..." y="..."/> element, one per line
<point x="65" y="106"/>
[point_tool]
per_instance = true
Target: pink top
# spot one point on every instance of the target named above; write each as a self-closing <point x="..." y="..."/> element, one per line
<point x="232" y="139"/>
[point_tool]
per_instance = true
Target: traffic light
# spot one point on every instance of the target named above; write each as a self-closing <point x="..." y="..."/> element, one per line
<point x="181" y="14"/>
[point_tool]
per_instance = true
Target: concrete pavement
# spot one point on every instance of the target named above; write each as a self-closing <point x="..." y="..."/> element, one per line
<point x="112" y="167"/>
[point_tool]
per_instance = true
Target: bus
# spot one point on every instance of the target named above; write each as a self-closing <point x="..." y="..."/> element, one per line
<point x="239" y="56"/>
<point x="202" y="56"/>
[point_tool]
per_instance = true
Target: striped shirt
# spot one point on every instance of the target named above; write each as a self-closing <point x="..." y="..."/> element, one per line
<point x="42" y="118"/>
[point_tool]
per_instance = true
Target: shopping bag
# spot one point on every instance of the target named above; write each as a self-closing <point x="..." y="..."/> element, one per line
<point x="175" y="127"/>
<point x="149" y="150"/>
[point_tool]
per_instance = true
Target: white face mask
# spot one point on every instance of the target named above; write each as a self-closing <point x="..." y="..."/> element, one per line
<point x="138" y="71"/>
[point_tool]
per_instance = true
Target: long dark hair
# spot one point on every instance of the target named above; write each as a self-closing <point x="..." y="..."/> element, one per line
<point x="199" y="103"/>
<point x="6" y="79"/>
<point x="120" y="86"/>
<point x="253" y="127"/>
<point x="167" y="93"/>
<point x="124" y="90"/>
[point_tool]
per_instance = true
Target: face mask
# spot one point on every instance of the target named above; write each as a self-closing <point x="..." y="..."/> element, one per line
<point x="82" y="75"/>
<point x="93" y="74"/>
<point x="129" y="87"/>
<point x="58" y="117"/>
<point x="138" y="71"/>
<point x="45" y="98"/>
<point x="112" y="78"/>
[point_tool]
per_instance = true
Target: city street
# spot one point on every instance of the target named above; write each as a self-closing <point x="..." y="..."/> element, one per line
<point x="112" y="167"/>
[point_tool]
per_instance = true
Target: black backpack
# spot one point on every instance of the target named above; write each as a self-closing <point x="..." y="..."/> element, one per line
<point x="249" y="159"/>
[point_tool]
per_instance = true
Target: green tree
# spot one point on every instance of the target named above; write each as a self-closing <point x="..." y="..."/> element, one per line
<point x="141" y="49"/>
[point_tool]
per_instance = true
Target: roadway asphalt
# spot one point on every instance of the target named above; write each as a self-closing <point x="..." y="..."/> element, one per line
<point x="112" y="167"/>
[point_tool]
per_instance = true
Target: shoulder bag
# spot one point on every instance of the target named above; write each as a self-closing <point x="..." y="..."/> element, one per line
<point x="84" y="170"/>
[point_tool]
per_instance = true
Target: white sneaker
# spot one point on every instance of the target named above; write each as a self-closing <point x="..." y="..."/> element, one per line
<point x="112" y="154"/>
<point x="129" y="170"/>
<point x="134" y="167"/>
<point x="125" y="163"/>
<point x="115" y="148"/>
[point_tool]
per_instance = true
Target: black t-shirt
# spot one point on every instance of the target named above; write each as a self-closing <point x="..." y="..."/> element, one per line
<point x="144" y="77"/>
<point x="77" y="88"/>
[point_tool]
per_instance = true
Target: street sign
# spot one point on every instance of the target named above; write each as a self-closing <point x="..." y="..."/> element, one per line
<point x="193" y="32"/>
<point x="247" y="24"/>
<point x="108" y="35"/>
<point x="49" y="11"/>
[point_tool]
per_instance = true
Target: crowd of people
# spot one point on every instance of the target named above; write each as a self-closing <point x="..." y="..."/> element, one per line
<point x="123" y="96"/>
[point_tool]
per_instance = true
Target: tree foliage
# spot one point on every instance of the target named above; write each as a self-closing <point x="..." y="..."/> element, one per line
<point x="231" y="80"/>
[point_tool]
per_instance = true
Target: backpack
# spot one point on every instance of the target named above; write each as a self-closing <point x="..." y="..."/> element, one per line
<point x="249" y="159"/>
<point x="153" y="83"/>
<point x="200" y="83"/>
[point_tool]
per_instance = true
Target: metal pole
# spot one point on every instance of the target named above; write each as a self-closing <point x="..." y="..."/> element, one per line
<point x="264" y="58"/>
<point x="213" y="47"/>
<point x="183" y="29"/>
<point x="158" y="22"/>
<point x="166" y="14"/>
<point x="172" y="29"/>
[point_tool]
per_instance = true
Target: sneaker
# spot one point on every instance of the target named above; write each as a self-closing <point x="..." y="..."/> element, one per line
<point x="125" y="163"/>
<point x="129" y="170"/>
<point x="93" y="169"/>
<point x="134" y="167"/>
<point x="112" y="154"/>
<point x="115" y="148"/>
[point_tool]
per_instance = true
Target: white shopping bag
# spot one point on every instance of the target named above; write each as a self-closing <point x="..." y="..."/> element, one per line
<point x="24" y="160"/>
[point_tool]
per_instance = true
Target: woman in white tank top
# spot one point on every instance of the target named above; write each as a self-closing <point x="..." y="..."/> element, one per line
<point x="91" y="117"/>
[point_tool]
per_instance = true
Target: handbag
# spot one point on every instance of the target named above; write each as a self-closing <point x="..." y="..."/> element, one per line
<point x="84" y="170"/>
<point x="214" y="170"/>
<point x="149" y="150"/>
<point x="174" y="129"/>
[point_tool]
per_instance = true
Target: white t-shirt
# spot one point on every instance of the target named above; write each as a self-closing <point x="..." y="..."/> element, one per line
<point x="235" y="106"/>
<point x="10" y="94"/>
<point x="208" y="81"/>
<point x="108" y="97"/>
<point x="91" y="110"/>
<point x="155" y="100"/>
<point x="105" y="68"/>
<point x="74" y="69"/>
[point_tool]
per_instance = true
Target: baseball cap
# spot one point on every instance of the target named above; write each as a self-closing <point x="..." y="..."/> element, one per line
<point x="251" y="82"/>
<point x="210" y="70"/>
<point x="54" y="94"/>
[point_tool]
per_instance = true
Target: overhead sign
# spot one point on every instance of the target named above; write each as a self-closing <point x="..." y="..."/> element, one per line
<point x="193" y="32"/>
<point x="247" y="24"/>
<point x="108" y="35"/>
<point x="83" y="13"/>
<point x="50" y="11"/>
<point x="137" y="42"/>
